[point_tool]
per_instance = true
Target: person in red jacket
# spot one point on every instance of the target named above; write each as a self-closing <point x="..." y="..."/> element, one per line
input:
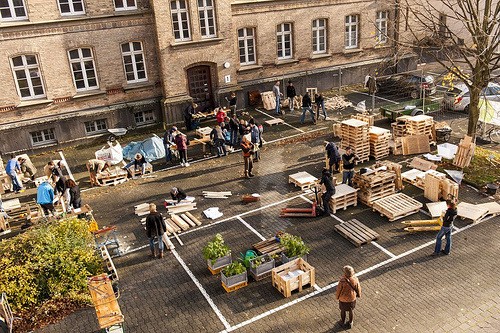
<point x="181" y="143"/>
<point x="348" y="290"/>
<point x="221" y="115"/>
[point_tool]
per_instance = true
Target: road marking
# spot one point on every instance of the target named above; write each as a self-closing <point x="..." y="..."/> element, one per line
<point x="202" y="290"/>
<point x="251" y="228"/>
<point x="384" y="99"/>
<point x="383" y="249"/>
<point x="284" y="122"/>
<point x="316" y="287"/>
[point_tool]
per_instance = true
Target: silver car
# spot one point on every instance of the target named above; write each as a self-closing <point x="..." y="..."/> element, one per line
<point x="458" y="98"/>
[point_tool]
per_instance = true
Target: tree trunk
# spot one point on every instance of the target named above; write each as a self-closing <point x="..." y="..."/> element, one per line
<point x="473" y="111"/>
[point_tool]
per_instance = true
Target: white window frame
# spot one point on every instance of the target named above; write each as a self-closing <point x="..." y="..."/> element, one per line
<point x="28" y="71"/>
<point x="351" y="27"/>
<point x="176" y="14"/>
<point x="282" y="37"/>
<point x="247" y="41"/>
<point x="125" y="5"/>
<point x="316" y="34"/>
<point x="381" y="32"/>
<point x="208" y="14"/>
<point x="148" y="117"/>
<point x="12" y="10"/>
<point x="81" y="61"/>
<point x="72" y="11"/>
<point x="133" y="53"/>
<point x="46" y="134"/>
<point x="95" y="124"/>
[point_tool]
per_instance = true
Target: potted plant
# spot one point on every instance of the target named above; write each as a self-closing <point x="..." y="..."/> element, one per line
<point x="217" y="254"/>
<point x="233" y="275"/>
<point x="261" y="266"/>
<point x="293" y="248"/>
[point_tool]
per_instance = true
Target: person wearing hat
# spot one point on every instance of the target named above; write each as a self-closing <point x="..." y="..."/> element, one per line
<point x="168" y="141"/>
<point x="96" y="167"/>
<point x="139" y="162"/>
<point x="27" y="168"/>
<point x="177" y="194"/>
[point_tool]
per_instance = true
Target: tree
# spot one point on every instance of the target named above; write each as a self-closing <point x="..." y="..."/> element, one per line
<point x="462" y="35"/>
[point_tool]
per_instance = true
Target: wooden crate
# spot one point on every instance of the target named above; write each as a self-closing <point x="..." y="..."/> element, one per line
<point x="203" y="132"/>
<point x="269" y="246"/>
<point x="356" y="232"/>
<point x="303" y="180"/>
<point x="285" y="284"/>
<point x="396" y="206"/>
<point x="344" y="196"/>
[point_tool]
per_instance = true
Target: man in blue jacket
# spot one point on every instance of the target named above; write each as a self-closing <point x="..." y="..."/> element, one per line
<point x="45" y="198"/>
<point x="11" y="169"/>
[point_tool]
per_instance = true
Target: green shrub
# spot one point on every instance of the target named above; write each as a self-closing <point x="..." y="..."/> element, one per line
<point x="216" y="249"/>
<point x="51" y="261"/>
<point x="293" y="246"/>
<point x="234" y="268"/>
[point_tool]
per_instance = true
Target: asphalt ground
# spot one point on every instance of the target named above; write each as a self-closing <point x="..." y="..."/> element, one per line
<point x="404" y="290"/>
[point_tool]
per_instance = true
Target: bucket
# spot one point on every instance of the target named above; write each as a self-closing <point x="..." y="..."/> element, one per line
<point x="491" y="188"/>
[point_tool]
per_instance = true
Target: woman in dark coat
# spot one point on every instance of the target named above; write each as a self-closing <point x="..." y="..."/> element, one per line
<point x="155" y="227"/>
<point x="74" y="193"/>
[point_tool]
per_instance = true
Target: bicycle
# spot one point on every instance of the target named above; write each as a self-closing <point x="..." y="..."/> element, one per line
<point x="485" y="130"/>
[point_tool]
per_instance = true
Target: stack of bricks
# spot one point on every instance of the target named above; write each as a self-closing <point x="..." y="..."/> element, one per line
<point x="379" y="142"/>
<point x="355" y="135"/>
<point x="374" y="185"/>
<point x="421" y="125"/>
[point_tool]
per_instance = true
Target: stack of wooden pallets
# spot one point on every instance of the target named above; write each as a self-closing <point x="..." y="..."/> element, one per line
<point x="396" y="206"/>
<point x="344" y="196"/>
<point x="421" y="125"/>
<point x="379" y="142"/>
<point x="394" y="168"/>
<point x="366" y="117"/>
<point x="374" y="185"/>
<point x="464" y="153"/>
<point x="303" y="179"/>
<point x="355" y="135"/>
<point x="399" y="127"/>
<point x="269" y="100"/>
<point x="112" y="177"/>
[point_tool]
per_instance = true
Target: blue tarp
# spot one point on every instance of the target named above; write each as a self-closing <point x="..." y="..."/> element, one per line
<point x="152" y="149"/>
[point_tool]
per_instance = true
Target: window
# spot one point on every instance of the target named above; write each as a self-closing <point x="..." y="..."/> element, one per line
<point x="28" y="78"/>
<point x="125" y="4"/>
<point x="381" y="33"/>
<point x="82" y="65"/>
<point x="43" y="137"/>
<point x="12" y="10"/>
<point x="246" y="44"/>
<point x="206" y="11"/>
<point x="351" y="31"/>
<point x="319" y="36"/>
<point x="71" y="7"/>
<point x="284" y="41"/>
<point x="144" y="117"/>
<point x="95" y="126"/>
<point x="133" y="60"/>
<point x="180" y="20"/>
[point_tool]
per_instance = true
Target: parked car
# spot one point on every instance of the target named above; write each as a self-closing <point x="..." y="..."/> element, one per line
<point x="458" y="98"/>
<point x="407" y="84"/>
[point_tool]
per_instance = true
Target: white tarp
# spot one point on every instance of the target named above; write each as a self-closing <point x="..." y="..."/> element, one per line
<point x="489" y="111"/>
<point x="112" y="154"/>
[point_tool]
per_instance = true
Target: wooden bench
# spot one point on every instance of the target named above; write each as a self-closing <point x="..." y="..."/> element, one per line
<point x="356" y="232"/>
<point x="274" y="121"/>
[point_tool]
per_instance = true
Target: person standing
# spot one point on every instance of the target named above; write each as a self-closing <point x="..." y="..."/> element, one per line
<point x="320" y="103"/>
<point x="446" y="228"/>
<point x="276" y="91"/>
<point x="348" y="159"/>
<point x="218" y="137"/>
<point x="181" y="143"/>
<point x="290" y="94"/>
<point x="256" y="140"/>
<point x="327" y="180"/>
<point x="168" y="141"/>
<point x="58" y="177"/>
<point x="234" y="127"/>
<point x="45" y="197"/>
<point x="232" y="103"/>
<point x="348" y="290"/>
<point x="12" y="168"/>
<point x="27" y="168"/>
<point x="306" y="105"/>
<point x="246" y="148"/>
<point x="75" y="200"/>
<point x="188" y="115"/>
<point x="221" y="115"/>
<point x="155" y="227"/>
<point x="332" y="152"/>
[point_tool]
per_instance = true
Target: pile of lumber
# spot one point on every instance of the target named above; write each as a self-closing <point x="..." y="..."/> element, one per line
<point x="336" y="102"/>
<point x="355" y="135"/>
<point x="399" y="127"/>
<point x="269" y="100"/>
<point x="421" y="125"/>
<point x="464" y="153"/>
<point x="374" y="185"/>
<point x="395" y="168"/>
<point x="379" y="142"/>
<point x="366" y="117"/>
<point x="216" y="195"/>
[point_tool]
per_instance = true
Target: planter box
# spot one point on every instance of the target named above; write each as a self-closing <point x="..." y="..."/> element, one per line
<point x="285" y="259"/>
<point x="292" y="276"/>
<point x="263" y="270"/>
<point x="219" y="264"/>
<point x="234" y="282"/>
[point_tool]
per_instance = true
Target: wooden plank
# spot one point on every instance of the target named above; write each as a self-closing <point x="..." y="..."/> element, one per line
<point x="184" y="226"/>
<point x="172" y="224"/>
<point x="194" y="219"/>
<point x="221" y="193"/>
<point x="188" y="220"/>
<point x="436" y="208"/>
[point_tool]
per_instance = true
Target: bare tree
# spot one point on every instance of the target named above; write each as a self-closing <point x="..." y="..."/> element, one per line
<point x="462" y="35"/>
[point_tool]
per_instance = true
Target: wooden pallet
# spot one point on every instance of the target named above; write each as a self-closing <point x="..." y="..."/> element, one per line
<point x="275" y="121"/>
<point x="356" y="232"/>
<point x="113" y="177"/>
<point x="396" y="206"/>
<point x="269" y="246"/>
<point x="344" y="196"/>
<point x="303" y="180"/>
<point x="469" y="211"/>
<point x="235" y="287"/>
<point x="492" y="207"/>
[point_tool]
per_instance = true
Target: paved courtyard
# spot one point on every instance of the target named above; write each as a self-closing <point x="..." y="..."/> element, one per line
<point x="404" y="290"/>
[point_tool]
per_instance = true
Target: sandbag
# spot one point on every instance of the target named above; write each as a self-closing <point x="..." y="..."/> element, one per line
<point x="112" y="154"/>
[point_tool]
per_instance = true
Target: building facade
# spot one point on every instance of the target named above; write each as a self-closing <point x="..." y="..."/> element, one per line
<point x="70" y="69"/>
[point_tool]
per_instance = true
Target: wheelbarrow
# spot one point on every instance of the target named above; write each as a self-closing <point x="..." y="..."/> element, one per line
<point x="443" y="134"/>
